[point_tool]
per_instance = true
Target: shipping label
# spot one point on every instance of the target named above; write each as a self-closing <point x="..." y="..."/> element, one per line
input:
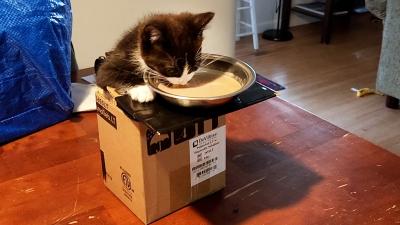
<point x="207" y="155"/>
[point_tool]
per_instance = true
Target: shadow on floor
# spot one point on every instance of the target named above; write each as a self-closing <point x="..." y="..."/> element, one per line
<point x="75" y="118"/>
<point x="260" y="177"/>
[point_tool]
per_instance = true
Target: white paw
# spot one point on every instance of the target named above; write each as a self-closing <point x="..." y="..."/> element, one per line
<point x="141" y="93"/>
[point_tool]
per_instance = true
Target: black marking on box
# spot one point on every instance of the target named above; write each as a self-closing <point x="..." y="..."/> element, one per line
<point x="161" y="145"/>
<point x="106" y="115"/>
<point x="184" y="134"/>
<point x="200" y="128"/>
<point x="180" y="135"/>
<point x="103" y="165"/>
<point x="214" y="122"/>
<point x="127" y="185"/>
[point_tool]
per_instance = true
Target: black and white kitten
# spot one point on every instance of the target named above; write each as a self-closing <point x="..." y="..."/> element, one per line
<point x="167" y="46"/>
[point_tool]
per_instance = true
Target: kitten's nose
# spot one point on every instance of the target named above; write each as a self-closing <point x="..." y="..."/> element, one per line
<point x="180" y="62"/>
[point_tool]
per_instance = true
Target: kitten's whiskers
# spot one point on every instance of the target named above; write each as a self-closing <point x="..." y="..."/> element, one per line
<point x="206" y="57"/>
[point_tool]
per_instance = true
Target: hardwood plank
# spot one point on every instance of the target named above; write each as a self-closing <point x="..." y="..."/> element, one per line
<point x="318" y="77"/>
<point x="69" y="140"/>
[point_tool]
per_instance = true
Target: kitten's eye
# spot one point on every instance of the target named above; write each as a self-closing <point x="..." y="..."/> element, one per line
<point x="180" y="62"/>
<point x="171" y="70"/>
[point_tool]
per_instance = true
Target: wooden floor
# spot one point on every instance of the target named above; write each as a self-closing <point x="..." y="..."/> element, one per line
<point x="318" y="77"/>
<point x="289" y="167"/>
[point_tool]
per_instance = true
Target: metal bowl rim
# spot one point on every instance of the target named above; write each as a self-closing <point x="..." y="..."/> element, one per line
<point x="227" y="59"/>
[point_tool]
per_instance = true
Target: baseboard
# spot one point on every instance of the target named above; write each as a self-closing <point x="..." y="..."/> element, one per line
<point x="295" y="20"/>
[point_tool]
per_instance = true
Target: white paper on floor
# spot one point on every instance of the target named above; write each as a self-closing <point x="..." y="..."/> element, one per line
<point x="90" y="78"/>
<point x="83" y="96"/>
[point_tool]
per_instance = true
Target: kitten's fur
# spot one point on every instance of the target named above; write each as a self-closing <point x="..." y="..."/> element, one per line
<point x="164" y="45"/>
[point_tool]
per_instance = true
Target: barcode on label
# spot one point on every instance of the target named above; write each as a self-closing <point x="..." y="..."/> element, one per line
<point x="206" y="171"/>
<point x="205" y="163"/>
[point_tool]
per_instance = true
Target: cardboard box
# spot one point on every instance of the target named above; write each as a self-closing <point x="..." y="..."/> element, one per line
<point x="156" y="174"/>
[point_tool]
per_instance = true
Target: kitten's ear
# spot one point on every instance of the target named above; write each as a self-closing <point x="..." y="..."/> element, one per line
<point x="151" y="33"/>
<point x="203" y="19"/>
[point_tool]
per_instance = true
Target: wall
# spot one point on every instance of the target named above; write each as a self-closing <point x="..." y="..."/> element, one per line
<point x="266" y="17"/>
<point x="98" y="24"/>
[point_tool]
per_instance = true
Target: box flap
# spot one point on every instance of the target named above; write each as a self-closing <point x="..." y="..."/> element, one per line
<point x="164" y="117"/>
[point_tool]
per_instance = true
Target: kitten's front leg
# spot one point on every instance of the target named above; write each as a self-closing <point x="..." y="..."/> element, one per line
<point x="141" y="93"/>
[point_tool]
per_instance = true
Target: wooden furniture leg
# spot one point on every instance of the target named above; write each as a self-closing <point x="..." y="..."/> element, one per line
<point x="327" y="22"/>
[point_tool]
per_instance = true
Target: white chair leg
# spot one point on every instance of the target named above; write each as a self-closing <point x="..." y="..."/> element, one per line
<point x="254" y="25"/>
<point x="250" y="5"/>
<point x="237" y="20"/>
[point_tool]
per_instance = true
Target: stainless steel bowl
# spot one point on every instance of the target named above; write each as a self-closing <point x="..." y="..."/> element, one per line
<point x="243" y="73"/>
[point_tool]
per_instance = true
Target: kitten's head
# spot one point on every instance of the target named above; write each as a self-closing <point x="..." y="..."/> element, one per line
<point x="171" y="44"/>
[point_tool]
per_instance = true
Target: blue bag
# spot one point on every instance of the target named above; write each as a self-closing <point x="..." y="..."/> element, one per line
<point x="35" y="65"/>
